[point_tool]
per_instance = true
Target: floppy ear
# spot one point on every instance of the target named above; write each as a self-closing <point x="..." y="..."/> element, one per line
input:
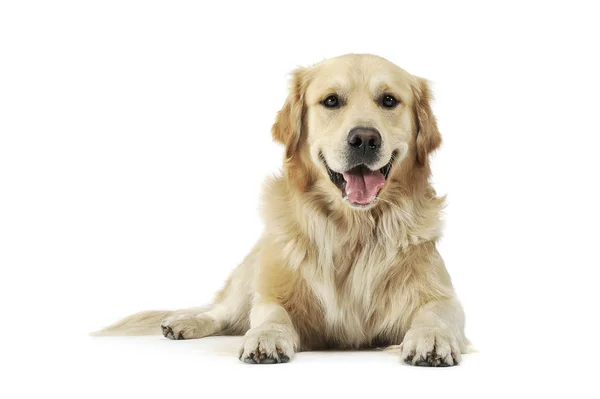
<point x="288" y="124"/>
<point x="428" y="135"/>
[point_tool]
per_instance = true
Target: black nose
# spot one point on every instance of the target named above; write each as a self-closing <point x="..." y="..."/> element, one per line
<point x="364" y="143"/>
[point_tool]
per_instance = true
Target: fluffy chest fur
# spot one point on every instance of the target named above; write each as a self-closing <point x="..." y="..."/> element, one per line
<point x="356" y="276"/>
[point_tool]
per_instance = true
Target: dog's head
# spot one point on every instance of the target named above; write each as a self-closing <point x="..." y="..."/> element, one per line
<point x="352" y="123"/>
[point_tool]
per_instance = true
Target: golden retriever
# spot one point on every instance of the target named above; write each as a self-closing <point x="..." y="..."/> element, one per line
<point x="348" y="257"/>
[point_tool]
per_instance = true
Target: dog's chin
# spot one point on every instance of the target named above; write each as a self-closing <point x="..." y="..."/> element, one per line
<point x="361" y="207"/>
<point x="360" y="186"/>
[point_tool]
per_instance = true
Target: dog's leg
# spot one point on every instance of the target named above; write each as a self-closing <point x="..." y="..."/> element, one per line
<point x="199" y="325"/>
<point x="229" y="314"/>
<point x="272" y="337"/>
<point x="436" y="335"/>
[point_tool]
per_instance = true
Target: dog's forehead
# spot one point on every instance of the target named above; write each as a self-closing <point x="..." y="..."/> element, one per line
<point x="359" y="72"/>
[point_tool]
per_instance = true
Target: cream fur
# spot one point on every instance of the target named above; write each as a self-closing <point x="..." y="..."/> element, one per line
<point x="325" y="274"/>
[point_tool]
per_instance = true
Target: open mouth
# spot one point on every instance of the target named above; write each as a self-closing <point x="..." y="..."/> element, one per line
<point x="360" y="185"/>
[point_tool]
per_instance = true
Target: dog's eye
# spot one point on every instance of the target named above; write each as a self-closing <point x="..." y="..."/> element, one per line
<point x="331" y="102"/>
<point x="388" y="101"/>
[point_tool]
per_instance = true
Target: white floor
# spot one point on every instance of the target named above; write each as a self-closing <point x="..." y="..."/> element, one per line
<point x="155" y="367"/>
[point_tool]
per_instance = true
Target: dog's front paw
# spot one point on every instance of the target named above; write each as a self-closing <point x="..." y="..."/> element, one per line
<point x="430" y="347"/>
<point x="188" y="326"/>
<point x="270" y="345"/>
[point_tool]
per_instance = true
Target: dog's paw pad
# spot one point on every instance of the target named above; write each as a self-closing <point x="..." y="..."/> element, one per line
<point x="430" y="348"/>
<point x="266" y="347"/>
<point x="430" y="359"/>
<point x="167" y="332"/>
<point x="188" y="327"/>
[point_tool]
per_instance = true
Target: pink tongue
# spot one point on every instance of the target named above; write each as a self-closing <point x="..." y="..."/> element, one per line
<point x="362" y="184"/>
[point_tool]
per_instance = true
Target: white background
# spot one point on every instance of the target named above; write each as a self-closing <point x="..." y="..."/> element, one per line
<point x="134" y="137"/>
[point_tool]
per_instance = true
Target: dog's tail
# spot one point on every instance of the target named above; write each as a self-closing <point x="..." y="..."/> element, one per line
<point x="144" y="323"/>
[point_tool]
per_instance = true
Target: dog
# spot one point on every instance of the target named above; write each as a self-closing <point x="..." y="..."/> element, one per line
<point x="348" y="256"/>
